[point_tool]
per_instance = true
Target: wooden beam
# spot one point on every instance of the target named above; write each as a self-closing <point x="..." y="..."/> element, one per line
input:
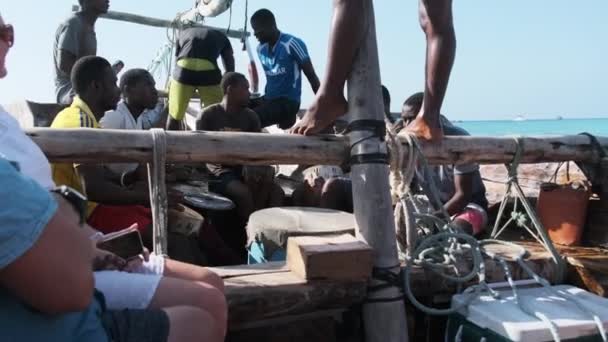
<point x="154" y="22"/>
<point x="97" y="146"/>
<point x="265" y="296"/>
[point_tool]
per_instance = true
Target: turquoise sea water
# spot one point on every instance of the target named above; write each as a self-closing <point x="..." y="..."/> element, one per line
<point x="536" y="127"/>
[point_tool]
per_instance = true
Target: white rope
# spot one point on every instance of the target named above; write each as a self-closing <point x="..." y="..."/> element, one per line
<point x="158" y="190"/>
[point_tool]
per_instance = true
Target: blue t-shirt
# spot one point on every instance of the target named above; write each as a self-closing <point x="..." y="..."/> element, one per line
<point x="282" y="66"/>
<point x="25" y="210"/>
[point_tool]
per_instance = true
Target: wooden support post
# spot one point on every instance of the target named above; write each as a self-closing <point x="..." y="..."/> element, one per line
<point x="154" y="22"/>
<point x="384" y="320"/>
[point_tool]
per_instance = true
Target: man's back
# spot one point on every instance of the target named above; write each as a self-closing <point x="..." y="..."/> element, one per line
<point x="282" y="65"/>
<point x="77" y="38"/>
<point x="202" y="43"/>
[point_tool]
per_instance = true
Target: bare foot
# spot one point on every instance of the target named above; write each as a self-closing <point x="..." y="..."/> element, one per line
<point x="425" y="130"/>
<point x="321" y="113"/>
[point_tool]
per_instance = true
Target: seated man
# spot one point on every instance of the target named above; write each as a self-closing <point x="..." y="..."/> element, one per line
<point x="461" y="189"/>
<point x="96" y="92"/>
<point x="233" y="115"/>
<point x="324" y="187"/>
<point x="409" y="110"/>
<point x="139" y="109"/>
<point x="46" y="281"/>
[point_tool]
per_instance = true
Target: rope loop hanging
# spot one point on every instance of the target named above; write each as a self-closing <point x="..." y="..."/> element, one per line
<point x="158" y="190"/>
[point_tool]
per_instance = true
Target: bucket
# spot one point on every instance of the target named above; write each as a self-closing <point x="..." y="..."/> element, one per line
<point x="184" y="221"/>
<point x="562" y="210"/>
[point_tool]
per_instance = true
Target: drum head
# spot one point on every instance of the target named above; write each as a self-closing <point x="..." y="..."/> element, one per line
<point x="199" y="197"/>
<point x="208" y="201"/>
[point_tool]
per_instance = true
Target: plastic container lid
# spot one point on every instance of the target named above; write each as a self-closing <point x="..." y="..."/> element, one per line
<point x="504" y="316"/>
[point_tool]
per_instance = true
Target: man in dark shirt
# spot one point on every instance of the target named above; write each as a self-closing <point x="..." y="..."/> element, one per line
<point x="232" y="115"/>
<point x="460" y="187"/>
<point x="75" y="38"/>
<point x="197" y="70"/>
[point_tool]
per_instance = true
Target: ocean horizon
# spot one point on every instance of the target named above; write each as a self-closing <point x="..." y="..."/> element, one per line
<point x="529" y="127"/>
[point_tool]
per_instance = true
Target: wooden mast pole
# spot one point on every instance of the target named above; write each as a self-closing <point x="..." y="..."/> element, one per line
<point x="384" y="311"/>
<point x="154" y="22"/>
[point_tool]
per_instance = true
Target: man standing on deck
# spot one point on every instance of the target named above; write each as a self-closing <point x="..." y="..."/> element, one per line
<point x="283" y="57"/>
<point x="346" y="37"/>
<point x="196" y="70"/>
<point x="75" y="38"/>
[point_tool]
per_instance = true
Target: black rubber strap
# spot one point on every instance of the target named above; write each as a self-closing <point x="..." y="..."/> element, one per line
<point x="389" y="279"/>
<point x="371" y="158"/>
<point x="378" y="127"/>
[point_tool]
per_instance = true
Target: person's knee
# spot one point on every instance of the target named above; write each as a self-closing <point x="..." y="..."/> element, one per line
<point x="436" y="16"/>
<point x="212" y="300"/>
<point x="188" y="323"/>
<point x="213" y="279"/>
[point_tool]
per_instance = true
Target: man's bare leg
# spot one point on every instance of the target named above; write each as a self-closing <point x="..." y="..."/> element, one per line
<point x="346" y="35"/>
<point x="181" y="270"/>
<point x="239" y="193"/>
<point x="173" y="292"/>
<point x="437" y="23"/>
<point x="191" y="324"/>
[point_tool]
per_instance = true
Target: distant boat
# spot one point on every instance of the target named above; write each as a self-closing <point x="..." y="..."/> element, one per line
<point x="559" y="117"/>
<point x="520" y="118"/>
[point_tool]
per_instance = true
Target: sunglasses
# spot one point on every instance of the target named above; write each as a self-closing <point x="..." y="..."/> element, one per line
<point x="7" y="34"/>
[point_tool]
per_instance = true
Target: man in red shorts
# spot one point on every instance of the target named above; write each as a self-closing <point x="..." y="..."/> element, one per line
<point x="117" y="207"/>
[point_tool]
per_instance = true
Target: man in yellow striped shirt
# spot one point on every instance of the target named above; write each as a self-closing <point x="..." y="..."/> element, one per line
<point x="94" y="82"/>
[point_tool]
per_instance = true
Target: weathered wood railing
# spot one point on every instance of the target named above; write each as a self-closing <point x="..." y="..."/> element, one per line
<point x="104" y="146"/>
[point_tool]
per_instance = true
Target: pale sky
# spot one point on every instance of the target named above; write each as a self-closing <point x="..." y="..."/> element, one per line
<point x="540" y="58"/>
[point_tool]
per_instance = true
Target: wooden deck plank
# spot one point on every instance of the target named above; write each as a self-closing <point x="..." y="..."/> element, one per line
<point x="246" y="270"/>
<point x="265" y="296"/>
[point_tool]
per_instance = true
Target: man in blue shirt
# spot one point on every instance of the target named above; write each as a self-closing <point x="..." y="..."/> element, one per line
<point x="284" y="58"/>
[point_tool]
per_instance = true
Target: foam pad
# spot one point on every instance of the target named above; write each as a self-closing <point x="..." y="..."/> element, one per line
<point x="272" y="227"/>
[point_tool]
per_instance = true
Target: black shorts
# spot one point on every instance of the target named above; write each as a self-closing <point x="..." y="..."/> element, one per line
<point x="136" y="325"/>
<point x="219" y="183"/>
<point x="280" y="111"/>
